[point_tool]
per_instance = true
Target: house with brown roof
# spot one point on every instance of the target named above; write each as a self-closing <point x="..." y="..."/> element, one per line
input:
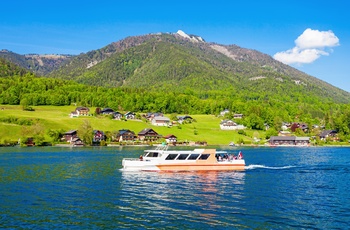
<point x="148" y="135"/>
<point x="80" y="111"/>
<point x="332" y="134"/>
<point x="126" y="135"/>
<point x="70" y="135"/>
<point x="170" y="139"/>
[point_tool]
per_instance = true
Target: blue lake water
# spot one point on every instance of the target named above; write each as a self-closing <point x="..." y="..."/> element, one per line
<point x="84" y="188"/>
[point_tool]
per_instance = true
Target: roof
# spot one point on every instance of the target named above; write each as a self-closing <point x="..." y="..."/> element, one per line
<point x="278" y="138"/>
<point x="70" y="132"/>
<point x="145" y="131"/>
<point x="161" y="118"/>
<point x="327" y="132"/>
<point x="289" y="138"/>
<point x="82" y="108"/>
<point x="184" y="117"/>
<point x="122" y="131"/>
<point x="169" y="136"/>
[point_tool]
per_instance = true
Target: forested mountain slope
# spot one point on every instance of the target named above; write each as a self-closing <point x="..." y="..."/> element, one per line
<point x="36" y="63"/>
<point x="177" y="63"/>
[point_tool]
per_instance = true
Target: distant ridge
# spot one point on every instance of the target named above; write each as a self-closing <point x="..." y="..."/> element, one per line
<point x="178" y="62"/>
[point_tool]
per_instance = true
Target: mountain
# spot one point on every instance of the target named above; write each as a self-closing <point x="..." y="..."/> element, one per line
<point x="177" y="61"/>
<point x="36" y="63"/>
<point x="9" y="69"/>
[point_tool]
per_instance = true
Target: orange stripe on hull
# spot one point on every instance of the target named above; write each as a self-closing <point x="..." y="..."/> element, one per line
<point x="196" y="167"/>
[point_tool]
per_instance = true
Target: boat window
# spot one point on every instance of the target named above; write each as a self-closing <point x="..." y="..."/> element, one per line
<point x="152" y="154"/>
<point x="193" y="157"/>
<point x="204" y="156"/>
<point x="182" y="157"/>
<point x="171" y="157"/>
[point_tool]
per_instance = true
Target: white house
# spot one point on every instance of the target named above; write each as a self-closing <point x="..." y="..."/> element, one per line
<point x="230" y="125"/>
<point x="160" y="121"/>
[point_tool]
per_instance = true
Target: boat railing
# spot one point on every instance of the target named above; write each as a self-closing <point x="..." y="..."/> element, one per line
<point x="131" y="159"/>
<point x="162" y="147"/>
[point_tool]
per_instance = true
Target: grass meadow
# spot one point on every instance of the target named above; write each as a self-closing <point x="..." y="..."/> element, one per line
<point x="206" y="128"/>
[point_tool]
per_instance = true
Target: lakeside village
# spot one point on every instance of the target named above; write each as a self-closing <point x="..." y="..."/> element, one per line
<point x="149" y="136"/>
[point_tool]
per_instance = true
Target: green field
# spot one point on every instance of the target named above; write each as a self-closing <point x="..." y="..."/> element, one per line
<point x="57" y="117"/>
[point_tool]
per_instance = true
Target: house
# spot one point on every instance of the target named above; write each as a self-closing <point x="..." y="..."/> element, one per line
<point x="107" y="111"/>
<point x="73" y="114"/>
<point x="160" y="121"/>
<point x="82" y="111"/>
<point x="117" y="115"/>
<point x="130" y="115"/>
<point x="182" y="119"/>
<point x="148" y="135"/>
<point x="150" y="116"/>
<point x="289" y="140"/>
<point x="230" y="125"/>
<point x="70" y="135"/>
<point x="77" y="142"/>
<point x="237" y="116"/>
<point x="170" y="139"/>
<point x="125" y="135"/>
<point x="30" y="141"/>
<point x="301" y="126"/>
<point x="98" y="136"/>
<point x="224" y="112"/>
<point x="328" y="134"/>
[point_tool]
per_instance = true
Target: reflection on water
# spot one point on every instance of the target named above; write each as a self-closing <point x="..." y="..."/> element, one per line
<point x="204" y="193"/>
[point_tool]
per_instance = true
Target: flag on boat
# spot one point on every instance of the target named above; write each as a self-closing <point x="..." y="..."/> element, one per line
<point x="240" y="155"/>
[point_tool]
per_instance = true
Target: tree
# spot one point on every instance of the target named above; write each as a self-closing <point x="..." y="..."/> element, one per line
<point x="85" y="132"/>
<point x="271" y="132"/>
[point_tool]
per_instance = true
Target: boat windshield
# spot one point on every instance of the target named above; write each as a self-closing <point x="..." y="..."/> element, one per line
<point x="152" y="154"/>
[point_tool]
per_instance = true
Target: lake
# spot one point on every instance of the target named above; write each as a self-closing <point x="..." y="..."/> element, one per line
<point x="84" y="188"/>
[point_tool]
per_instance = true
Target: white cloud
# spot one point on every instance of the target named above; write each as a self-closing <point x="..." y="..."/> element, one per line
<point x="310" y="45"/>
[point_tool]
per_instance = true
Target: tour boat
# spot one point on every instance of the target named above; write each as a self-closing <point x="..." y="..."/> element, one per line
<point x="162" y="159"/>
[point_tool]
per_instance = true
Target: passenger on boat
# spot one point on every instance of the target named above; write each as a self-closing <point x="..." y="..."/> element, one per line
<point x="141" y="158"/>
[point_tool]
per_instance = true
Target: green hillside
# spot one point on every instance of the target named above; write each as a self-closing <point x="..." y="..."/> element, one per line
<point x="57" y="118"/>
<point x="168" y="62"/>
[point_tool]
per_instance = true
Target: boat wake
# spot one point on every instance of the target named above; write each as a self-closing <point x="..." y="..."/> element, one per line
<point x="249" y="167"/>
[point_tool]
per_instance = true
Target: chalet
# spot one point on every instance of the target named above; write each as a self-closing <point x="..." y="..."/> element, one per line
<point x="170" y="139"/>
<point x="160" y="121"/>
<point x="107" y="111"/>
<point x="301" y="126"/>
<point x="117" y="115"/>
<point x="150" y="116"/>
<point x="98" y="136"/>
<point x="148" y="135"/>
<point x="237" y="116"/>
<point x="230" y="125"/>
<point x="328" y="134"/>
<point x="73" y="114"/>
<point x="130" y="115"/>
<point x="30" y="141"/>
<point x="125" y="135"/>
<point x="70" y="135"/>
<point x="289" y="141"/>
<point x="82" y="111"/>
<point x="77" y="142"/>
<point x="185" y="118"/>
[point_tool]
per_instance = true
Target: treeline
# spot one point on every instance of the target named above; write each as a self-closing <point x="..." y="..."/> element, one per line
<point x="259" y="108"/>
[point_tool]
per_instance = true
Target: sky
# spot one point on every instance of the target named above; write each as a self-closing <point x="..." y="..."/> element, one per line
<point x="312" y="36"/>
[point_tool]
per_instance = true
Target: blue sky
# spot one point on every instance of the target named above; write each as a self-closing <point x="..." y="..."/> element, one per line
<point x="312" y="36"/>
